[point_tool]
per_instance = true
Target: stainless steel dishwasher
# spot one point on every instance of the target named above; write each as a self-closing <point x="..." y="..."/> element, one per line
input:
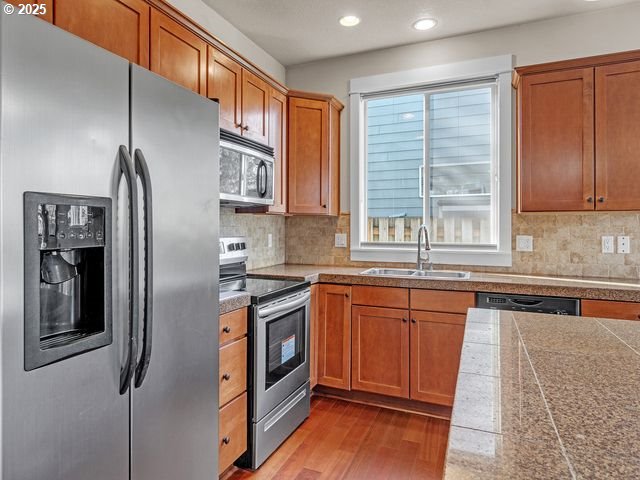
<point x="528" y="303"/>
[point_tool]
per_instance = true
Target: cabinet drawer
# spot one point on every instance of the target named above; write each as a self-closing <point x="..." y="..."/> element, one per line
<point x="442" y="301"/>
<point x="232" y="379"/>
<point x="381" y="296"/>
<point x="609" y="309"/>
<point x="233" y="325"/>
<point x="232" y="437"/>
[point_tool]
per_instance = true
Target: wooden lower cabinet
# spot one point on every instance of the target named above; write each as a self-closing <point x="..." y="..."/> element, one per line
<point x="232" y="384"/>
<point x="232" y="433"/>
<point x="313" y="338"/>
<point x="436" y="345"/>
<point x="610" y="309"/>
<point x="334" y="336"/>
<point x="380" y="350"/>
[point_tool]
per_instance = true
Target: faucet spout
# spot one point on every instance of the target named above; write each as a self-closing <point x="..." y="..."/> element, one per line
<point x="423" y="255"/>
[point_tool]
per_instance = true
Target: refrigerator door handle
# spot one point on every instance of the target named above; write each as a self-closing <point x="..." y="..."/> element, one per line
<point x="126" y="169"/>
<point x="142" y="170"/>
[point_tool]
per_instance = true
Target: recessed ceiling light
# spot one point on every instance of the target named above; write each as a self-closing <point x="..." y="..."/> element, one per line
<point x="425" y="24"/>
<point x="349" y="21"/>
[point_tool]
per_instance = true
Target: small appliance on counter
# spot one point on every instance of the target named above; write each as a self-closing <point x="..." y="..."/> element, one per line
<point x="278" y="376"/>
<point x="246" y="171"/>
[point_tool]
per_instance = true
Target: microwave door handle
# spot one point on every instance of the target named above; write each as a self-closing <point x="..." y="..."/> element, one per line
<point x="142" y="170"/>
<point x="262" y="178"/>
<point x="126" y="170"/>
<point x="264" y="313"/>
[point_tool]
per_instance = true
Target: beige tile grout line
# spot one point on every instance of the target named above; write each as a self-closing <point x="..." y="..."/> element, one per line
<point x="546" y="404"/>
<point x="615" y="335"/>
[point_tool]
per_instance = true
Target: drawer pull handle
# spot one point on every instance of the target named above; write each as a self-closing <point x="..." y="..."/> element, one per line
<point x="226" y="440"/>
<point x="227" y="329"/>
<point x="226" y="376"/>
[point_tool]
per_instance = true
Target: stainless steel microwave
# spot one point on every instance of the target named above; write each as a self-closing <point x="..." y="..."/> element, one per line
<point x="246" y="171"/>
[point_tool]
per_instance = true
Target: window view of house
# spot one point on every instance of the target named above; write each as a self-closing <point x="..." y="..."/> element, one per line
<point x="430" y="158"/>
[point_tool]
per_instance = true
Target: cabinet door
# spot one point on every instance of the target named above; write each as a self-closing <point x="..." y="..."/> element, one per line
<point x="556" y="157"/>
<point x="48" y="7"/>
<point x="436" y="345"/>
<point x="334" y="336"/>
<point x="610" y="309"/>
<point x="278" y="140"/>
<point x="380" y="351"/>
<point x="313" y="338"/>
<point x="617" y="139"/>
<point x="308" y="156"/>
<point x="255" y="107"/>
<point x="224" y="82"/>
<point x="120" y="26"/>
<point x="177" y="54"/>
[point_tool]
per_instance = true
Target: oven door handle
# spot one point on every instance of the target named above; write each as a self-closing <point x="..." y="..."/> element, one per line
<point x="266" y="312"/>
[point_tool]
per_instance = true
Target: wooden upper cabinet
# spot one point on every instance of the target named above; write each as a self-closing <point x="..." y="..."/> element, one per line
<point x="48" y="7"/>
<point x="120" y="26"/>
<point x="617" y="136"/>
<point x="278" y="140"/>
<point x="334" y="336"/>
<point x="224" y="82"/>
<point x="314" y="154"/>
<point x="255" y="107"/>
<point x="178" y="54"/>
<point x="436" y="345"/>
<point x="556" y="143"/>
<point x="380" y="351"/>
<point x="610" y="309"/>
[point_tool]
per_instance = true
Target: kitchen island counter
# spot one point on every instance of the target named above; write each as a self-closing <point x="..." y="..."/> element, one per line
<point x="542" y="396"/>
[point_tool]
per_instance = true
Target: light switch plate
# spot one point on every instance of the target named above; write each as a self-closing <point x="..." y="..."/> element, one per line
<point x="624" y="244"/>
<point x="607" y="244"/>
<point x="341" y="240"/>
<point x="524" y="243"/>
<point x="270" y="240"/>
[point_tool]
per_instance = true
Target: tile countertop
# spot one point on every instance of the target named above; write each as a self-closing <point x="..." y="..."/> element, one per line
<point x="540" y="396"/>
<point x="593" y="288"/>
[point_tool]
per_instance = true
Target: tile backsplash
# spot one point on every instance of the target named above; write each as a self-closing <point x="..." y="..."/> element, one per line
<point x="563" y="244"/>
<point x="257" y="229"/>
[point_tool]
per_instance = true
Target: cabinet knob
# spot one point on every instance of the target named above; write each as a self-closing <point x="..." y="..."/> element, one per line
<point x="227" y="329"/>
<point x="226" y="376"/>
<point x="601" y="199"/>
<point x="226" y="440"/>
<point x="346" y="295"/>
<point x="404" y="320"/>
<point x="413" y="320"/>
<point x="324" y="205"/>
<point x="590" y="199"/>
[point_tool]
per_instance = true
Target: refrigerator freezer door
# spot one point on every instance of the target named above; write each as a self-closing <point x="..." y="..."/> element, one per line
<point x="175" y="410"/>
<point x="64" y="112"/>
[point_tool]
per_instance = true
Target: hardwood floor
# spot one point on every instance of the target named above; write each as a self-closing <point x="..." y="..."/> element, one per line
<point x="345" y="440"/>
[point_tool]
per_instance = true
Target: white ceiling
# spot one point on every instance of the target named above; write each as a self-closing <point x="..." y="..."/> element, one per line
<point x="299" y="31"/>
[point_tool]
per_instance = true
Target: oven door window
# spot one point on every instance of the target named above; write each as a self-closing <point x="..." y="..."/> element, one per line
<point x="286" y="345"/>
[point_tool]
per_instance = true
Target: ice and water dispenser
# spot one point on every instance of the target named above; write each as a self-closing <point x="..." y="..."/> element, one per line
<point x="67" y="276"/>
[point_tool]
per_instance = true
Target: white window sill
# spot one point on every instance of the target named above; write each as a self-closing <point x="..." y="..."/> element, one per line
<point x="445" y="257"/>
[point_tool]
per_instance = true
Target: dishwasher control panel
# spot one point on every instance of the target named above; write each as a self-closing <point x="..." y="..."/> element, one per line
<point x="528" y="303"/>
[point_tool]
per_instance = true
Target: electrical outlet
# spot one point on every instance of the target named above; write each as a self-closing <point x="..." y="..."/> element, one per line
<point x="607" y="244"/>
<point x="624" y="244"/>
<point x="341" y="240"/>
<point x="524" y="243"/>
<point x="270" y="240"/>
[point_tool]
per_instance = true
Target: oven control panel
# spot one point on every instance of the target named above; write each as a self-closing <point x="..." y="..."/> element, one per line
<point x="233" y="250"/>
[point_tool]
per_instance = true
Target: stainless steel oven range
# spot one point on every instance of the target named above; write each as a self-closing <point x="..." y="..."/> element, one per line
<point x="278" y="373"/>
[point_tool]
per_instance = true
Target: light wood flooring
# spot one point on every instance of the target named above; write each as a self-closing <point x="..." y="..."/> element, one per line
<point x="345" y="440"/>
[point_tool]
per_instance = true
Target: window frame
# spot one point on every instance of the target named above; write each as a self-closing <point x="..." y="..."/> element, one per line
<point x="447" y="77"/>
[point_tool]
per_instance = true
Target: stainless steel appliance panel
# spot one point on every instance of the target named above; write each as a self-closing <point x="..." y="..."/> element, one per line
<point x="175" y="409"/>
<point x="266" y="399"/>
<point x="246" y="174"/>
<point x="65" y="111"/>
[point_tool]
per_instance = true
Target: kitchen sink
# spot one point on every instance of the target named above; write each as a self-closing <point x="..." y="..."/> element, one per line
<point x="408" y="272"/>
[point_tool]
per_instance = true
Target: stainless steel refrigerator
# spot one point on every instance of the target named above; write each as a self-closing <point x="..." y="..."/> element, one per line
<point x="109" y="265"/>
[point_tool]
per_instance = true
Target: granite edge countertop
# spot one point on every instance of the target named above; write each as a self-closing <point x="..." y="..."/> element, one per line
<point x="583" y="288"/>
<point x="539" y="396"/>
<point x="234" y="302"/>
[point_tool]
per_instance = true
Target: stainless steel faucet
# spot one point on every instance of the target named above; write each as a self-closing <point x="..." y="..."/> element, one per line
<point x="424" y="259"/>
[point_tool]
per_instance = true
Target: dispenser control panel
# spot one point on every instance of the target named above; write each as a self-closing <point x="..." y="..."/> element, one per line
<point x="70" y="226"/>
